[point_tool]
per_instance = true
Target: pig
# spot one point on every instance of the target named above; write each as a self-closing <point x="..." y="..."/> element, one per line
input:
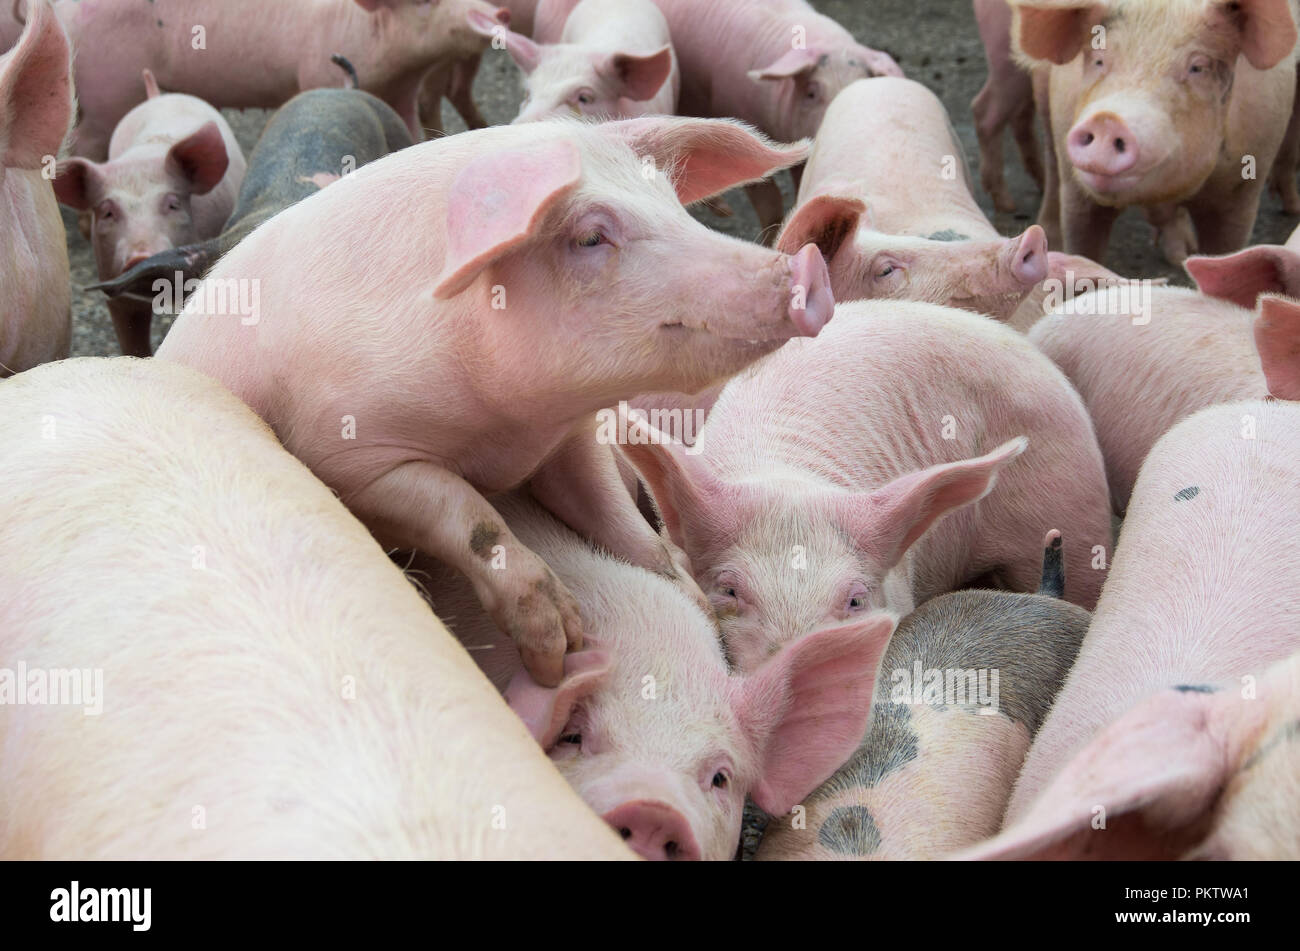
<point x="1172" y="692"/>
<point x="613" y="60"/>
<point x="257" y="54"/>
<point x="1144" y="361"/>
<point x="809" y="496"/>
<point x="932" y="243"/>
<point x="35" y="114"/>
<point x="310" y="142"/>
<point x="1005" y="99"/>
<point x="1175" y="106"/>
<point x="456" y="258"/>
<point x="174" y="169"/>
<point x="648" y="726"/>
<point x="201" y="580"/>
<point x="936" y="769"/>
<point x="1243" y="276"/>
<point x="776" y="64"/>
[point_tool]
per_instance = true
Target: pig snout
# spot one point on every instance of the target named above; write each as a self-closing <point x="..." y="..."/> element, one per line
<point x="654" y="830"/>
<point x="1102" y="144"/>
<point x="811" y="302"/>
<point x="1029" y="256"/>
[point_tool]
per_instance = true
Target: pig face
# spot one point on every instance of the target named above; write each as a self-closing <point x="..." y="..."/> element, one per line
<point x="785" y="556"/>
<point x="141" y="205"/>
<point x="599" y="226"/>
<point x="806" y="81"/>
<point x="1155" y="82"/>
<point x="665" y="745"/>
<point x="987" y="277"/>
<point x="571" y="80"/>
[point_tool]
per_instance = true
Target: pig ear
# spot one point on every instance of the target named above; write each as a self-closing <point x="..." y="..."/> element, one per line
<point x="76" y="183"/>
<point x="641" y="76"/>
<point x="888" y="521"/>
<point x="878" y="63"/>
<point x="1243" y="276"/>
<point x="200" y="159"/>
<point x="498" y="202"/>
<point x="792" y="64"/>
<point x="35" y="91"/>
<point x="1053" y="31"/>
<point x="1268" y="32"/>
<point x="522" y="50"/>
<point x="705" y="156"/>
<point x="1153" y="776"/>
<point x="1277" y="338"/>
<point x="545" y="710"/>
<point x="824" y="220"/>
<point x="808" y="707"/>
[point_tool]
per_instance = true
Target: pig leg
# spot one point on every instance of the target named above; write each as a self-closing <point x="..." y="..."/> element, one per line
<point x="432" y="88"/>
<point x="132" y="321"/>
<point x="1224" y="220"/>
<point x="1022" y="129"/>
<point x="989" y="123"/>
<point x="1049" y="213"/>
<point x="1282" y="179"/>
<point x="461" y="90"/>
<point x="1174" y="233"/>
<point x="1085" y="225"/>
<point x="420" y="505"/>
<point x="769" y="206"/>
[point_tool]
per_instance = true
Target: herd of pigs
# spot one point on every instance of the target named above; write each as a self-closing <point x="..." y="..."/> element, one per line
<point x="405" y="544"/>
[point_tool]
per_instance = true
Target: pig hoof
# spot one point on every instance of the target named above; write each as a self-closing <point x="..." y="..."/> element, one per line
<point x="540" y="615"/>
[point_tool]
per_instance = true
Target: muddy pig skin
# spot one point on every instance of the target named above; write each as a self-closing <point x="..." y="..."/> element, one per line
<point x="257" y="679"/>
<point x="35" y="112"/>
<point x="822" y="484"/>
<point x="446" y="286"/>
<point x="935" y="771"/>
<point x="648" y="725"/>
<point x="1203" y="592"/>
<point x="1176" y="106"/>
<point x="929" y="243"/>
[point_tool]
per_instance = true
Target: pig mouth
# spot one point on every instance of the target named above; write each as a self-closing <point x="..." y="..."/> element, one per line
<point x="1108" y="186"/>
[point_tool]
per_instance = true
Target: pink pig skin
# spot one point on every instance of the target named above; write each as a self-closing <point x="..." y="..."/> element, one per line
<point x="1161" y="114"/>
<point x="832" y="454"/>
<point x="35" y="112"/>
<point x="929" y="243"/>
<point x="1203" y="591"/>
<point x="558" y="225"/>
<point x="669" y="762"/>
<point x="173" y="173"/>
<point x="258" y="54"/>
<point x="1005" y="99"/>
<point x="1138" y="380"/>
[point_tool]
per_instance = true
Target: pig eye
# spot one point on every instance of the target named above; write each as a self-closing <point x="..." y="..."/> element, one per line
<point x="590" y="240"/>
<point x="857" y="600"/>
<point x="719" y="780"/>
<point x="1200" y="66"/>
<point x="574" y="738"/>
<point x="813" y="92"/>
<point x="105" y="212"/>
<point x="173" y="203"/>
<point x="586" y="97"/>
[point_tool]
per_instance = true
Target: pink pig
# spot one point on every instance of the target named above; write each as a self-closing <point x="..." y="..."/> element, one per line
<point x="929" y="243"/>
<point x="490" y="293"/>
<point x="173" y="173"/>
<point x="35" y="113"/>
<point x="613" y="59"/>
<point x="1171" y="704"/>
<point x="647" y="725"/>
<point x="810" y="495"/>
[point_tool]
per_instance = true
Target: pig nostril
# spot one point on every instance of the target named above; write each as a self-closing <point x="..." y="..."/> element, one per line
<point x="625" y="832"/>
<point x="1119" y="145"/>
<point x="670" y="849"/>
<point x="1087" y="138"/>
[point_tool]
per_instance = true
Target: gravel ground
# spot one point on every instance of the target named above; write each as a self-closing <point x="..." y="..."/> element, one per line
<point x="935" y="41"/>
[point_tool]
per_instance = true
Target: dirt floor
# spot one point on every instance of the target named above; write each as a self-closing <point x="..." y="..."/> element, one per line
<point x="935" y="41"/>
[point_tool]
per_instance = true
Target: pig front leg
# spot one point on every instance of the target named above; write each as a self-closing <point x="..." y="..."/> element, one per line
<point x="1174" y="233"/>
<point x="461" y="91"/>
<point x="1225" y="218"/>
<point x="1049" y="213"/>
<point x="769" y="206"/>
<point x="432" y="88"/>
<point x="420" y="505"/>
<point x="1085" y="225"/>
<point x="1282" y="178"/>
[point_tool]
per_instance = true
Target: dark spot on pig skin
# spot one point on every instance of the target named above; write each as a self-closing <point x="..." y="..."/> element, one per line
<point x="947" y="234"/>
<point x="1191" y="492"/>
<point x="1289" y="732"/>
<point x="483" y="538"/>
<point x="1196" y="688"/>
<point x="850" y="830"/>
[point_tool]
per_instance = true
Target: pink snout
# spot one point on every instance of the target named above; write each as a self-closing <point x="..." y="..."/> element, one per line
<point x="811" y="302"/>
<point x="1029" y="260"/>
<point x="1103" y="145"/>
<point x="654" y="830"/>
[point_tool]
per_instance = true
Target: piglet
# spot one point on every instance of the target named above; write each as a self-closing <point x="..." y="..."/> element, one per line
<point x="35" y="112"/>
<point x="174" y="168"/>
<point x="647" y="725"/>
<point x="966" y="681"/>
<point x="929" y="243"/>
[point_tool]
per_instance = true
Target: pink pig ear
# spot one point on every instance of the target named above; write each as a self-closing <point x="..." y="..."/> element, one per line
<point x="1156" y="772"/>
<point x="76" y="182"/>
<point x="1241" y="277"/>
<point x="641" y="75"/>
<point x="1277" y="338"/>
<point x="705" y="156"/>
<point x="522" y="50"/>
<point x="545" y="710"/>
<point x="200" y="159"/>
<point x="498" y="202"/>
<point x="1054" y="31"/>
<point x="808" y="707"/>
<point x="1268" y="33"/>
<point x="888" y="521"/>
<point x="793" y="63"/>
<point x="35" y="91"/>
<point x="824" y="220"/>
